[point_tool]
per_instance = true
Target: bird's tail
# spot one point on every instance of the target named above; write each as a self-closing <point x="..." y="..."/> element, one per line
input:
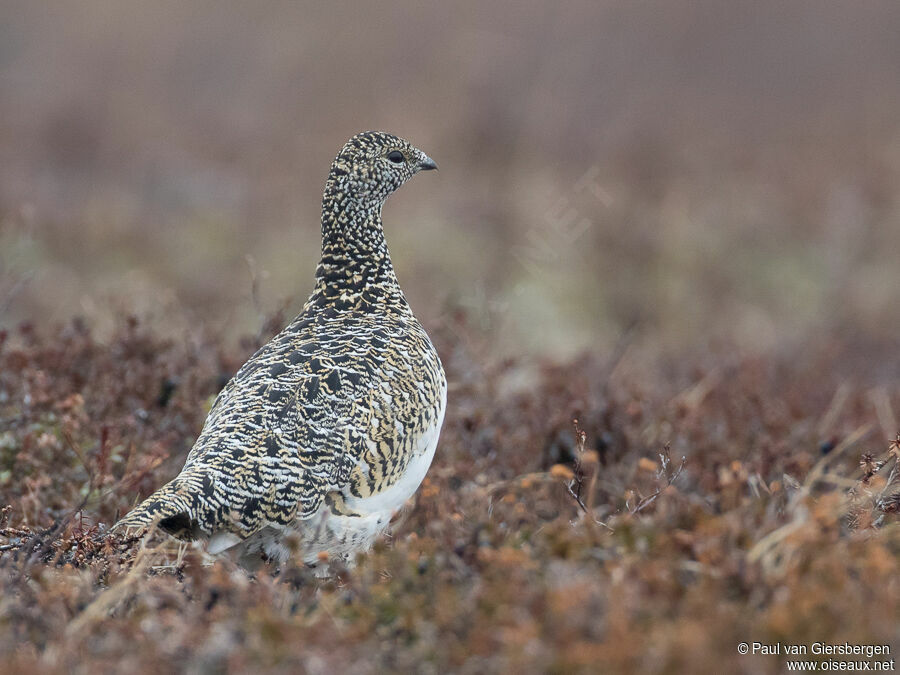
<point x="170" y="509"/>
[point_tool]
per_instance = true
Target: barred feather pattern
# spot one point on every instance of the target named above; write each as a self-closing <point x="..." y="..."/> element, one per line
<point x="330" y="427"/>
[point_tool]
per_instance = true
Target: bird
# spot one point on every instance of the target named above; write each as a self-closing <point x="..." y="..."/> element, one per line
<point x="330" y="427"/>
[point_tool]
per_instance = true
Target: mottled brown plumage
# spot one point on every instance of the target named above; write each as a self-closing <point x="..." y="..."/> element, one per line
<point x="331" y="426"/>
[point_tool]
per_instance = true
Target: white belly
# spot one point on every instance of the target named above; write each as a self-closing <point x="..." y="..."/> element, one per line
<point x="396" y="495"/>
<point x="342" y="536"/>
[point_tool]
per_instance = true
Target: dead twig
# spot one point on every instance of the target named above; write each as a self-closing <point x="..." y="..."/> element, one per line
<point x="587" y="464"/>
<point x="665" y="477"/>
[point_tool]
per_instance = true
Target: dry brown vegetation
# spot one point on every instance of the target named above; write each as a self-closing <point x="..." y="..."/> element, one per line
<point x="659" y="263"/>
<point x="779" y="523"/>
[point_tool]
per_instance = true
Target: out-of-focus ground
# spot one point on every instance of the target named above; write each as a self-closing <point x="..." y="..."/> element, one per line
<point x="709" y="168"/>
<point x="677" y="222"/>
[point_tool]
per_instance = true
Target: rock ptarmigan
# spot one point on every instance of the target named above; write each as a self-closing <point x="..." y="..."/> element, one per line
<point x="332" y="425"/>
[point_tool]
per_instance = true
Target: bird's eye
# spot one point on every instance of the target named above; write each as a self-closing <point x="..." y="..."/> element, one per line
<point x="395" y="156"/>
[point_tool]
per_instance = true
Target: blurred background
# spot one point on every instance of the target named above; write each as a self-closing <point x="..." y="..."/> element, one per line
<point x="711" y="171"/>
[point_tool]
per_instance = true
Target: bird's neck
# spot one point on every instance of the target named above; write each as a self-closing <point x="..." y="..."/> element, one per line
<point x="355" y="264"/>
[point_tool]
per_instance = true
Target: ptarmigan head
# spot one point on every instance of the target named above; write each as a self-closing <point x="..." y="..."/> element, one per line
<point x="373" y="164"/>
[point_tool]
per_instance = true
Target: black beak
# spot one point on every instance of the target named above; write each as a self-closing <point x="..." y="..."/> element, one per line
<point x="427" y="164"/>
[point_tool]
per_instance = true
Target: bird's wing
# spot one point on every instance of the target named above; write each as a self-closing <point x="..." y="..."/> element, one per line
<point x="287" y="431"/>
<point x="295" y="427"/>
